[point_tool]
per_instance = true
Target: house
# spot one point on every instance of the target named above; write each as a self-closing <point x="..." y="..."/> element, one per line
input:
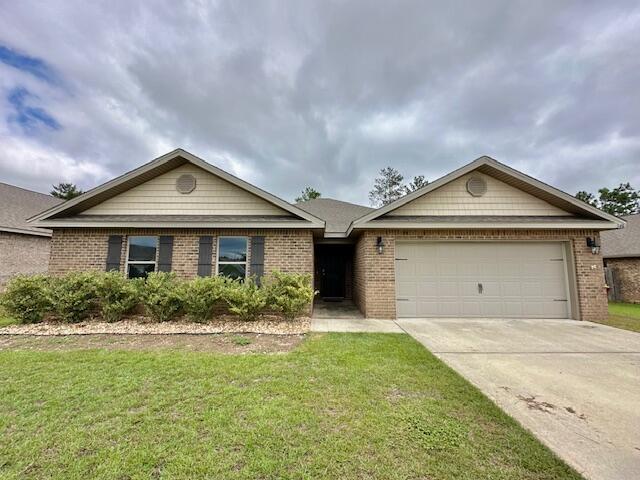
<point x="482" y="241"/>
<point x="24" y="248"/>
<point x="621" y="254"/>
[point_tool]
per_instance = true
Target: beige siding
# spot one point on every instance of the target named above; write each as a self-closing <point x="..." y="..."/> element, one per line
<point x="212" y="196"/>
<point x="500" y="199"/>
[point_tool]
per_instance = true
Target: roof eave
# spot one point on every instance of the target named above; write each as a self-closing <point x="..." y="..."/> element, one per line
<point x="62" y="223"/>
<point x="26" y="231"/>
<point x="395" y="225"/>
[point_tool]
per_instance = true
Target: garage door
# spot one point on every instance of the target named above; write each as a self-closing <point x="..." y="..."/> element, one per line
<point x="475" y="279"/>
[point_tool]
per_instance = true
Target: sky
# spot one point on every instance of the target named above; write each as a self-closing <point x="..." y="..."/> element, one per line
<point x="286" y="94"/>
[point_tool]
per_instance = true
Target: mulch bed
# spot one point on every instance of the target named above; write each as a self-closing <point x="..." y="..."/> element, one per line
<point x="218" y="343"/>
<point x="141" y="325"/>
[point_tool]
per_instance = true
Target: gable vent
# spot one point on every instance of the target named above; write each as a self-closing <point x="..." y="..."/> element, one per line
<point x="477" y="186"/>
<point x="186" y="183"/>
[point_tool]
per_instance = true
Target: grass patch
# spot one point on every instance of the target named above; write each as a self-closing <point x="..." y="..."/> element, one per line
<point x="624" y="315"/>
<point x="240" y="340"/>
<point x="340" y="406"/>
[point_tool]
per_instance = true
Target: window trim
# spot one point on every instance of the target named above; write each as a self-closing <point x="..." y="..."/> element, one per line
<point x="140" y="262"/>
<point x="246" y="261"/>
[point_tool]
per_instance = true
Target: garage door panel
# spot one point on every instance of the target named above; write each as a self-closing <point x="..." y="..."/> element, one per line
<point x="518" y="279"/>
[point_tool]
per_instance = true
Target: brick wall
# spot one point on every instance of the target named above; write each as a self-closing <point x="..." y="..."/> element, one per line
<point x="22" y="254"/>
<point x="626" y="272"/>
<point x="374" y="274"/>
<point x="86" y="249"/>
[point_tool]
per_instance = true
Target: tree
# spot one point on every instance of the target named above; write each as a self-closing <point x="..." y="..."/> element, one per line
<point x="418" y="182"/>
<point x="309" y="193"/>
<point x="387" y="187"/>
<point x="587" y="197"/>
<point x="66" y="191"/>
<point x="622" y="200"/>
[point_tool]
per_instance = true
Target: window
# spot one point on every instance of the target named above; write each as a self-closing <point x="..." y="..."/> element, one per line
<point x="232" y="257"/>
<point x="141" y="256"/>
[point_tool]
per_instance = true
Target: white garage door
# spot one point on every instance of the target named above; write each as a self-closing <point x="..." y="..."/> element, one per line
<point x="476" y="279"/>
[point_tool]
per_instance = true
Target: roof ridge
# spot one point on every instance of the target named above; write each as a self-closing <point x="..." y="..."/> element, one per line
<point x="333" y="200"/>
<point x="28" y="190"/>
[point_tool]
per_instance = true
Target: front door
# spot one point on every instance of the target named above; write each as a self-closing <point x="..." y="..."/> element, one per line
<point x="332" y="271"/>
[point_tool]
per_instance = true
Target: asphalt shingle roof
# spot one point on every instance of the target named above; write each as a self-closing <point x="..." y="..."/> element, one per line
<point x="338" y="215"/>
<point x="17" y="204"/>
<point x="624" y="242"/>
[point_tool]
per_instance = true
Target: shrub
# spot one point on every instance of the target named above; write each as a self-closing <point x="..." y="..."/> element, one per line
<point x="27" y="298"/>
<point x="74" y="295"/>
<point x="245" y="299"/>
<point x="201" y="296"/>
<point x="289" y="293"/>
<point x="116" y="295"/>
<point x="161" y="295"/>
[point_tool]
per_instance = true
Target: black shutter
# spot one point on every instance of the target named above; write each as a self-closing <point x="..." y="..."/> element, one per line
<point x="204" y="256"/>
<point x="113" y="252"/>
<point x="165" y="254"/>
<point x="257" y="258"/>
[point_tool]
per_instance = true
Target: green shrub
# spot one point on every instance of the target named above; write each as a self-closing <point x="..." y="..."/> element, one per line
<point x="202" y="295"/>
<point x="74" y="295"/>
<point x="245" y="299"/>
<point x="289" y="293"/>
<point x="161" y="294"/>
<point x="116" y="295"/>
<point x="27" y="298"/>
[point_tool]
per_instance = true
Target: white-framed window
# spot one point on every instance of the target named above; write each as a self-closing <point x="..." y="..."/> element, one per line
<point x="231" y="257"/>
<point x="141" y="256"/>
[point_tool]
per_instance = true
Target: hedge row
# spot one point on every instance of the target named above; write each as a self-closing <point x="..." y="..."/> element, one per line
<point x="163" y="296"/>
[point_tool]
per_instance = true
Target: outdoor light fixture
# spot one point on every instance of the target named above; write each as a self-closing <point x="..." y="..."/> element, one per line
<point x="594" y="244"/>
<point x="380" y="245"/>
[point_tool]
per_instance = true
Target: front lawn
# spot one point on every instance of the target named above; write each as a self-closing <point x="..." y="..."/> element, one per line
<point x="624" y="315"/>
<point x="339" y="406"/>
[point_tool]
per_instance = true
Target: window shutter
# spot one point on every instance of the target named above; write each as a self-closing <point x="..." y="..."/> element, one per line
<point x="114" y="251"/>
<point x="204" y="256"/>
<point x="257" y="258"/>
<point x="165" y="254"/>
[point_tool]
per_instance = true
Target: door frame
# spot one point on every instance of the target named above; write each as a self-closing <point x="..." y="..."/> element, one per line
<point x="570" y="277"/>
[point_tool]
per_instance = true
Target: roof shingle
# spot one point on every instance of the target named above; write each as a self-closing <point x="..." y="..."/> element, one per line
<point x="17" y="204"/>
<point x="624" y="242"/>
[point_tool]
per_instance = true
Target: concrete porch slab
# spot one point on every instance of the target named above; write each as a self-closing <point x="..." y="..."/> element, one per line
<point x="354" y="325"/>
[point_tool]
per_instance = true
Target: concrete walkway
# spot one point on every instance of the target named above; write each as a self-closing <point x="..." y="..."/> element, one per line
<point x="575" y="385"/>
<point x="353" y="325"/>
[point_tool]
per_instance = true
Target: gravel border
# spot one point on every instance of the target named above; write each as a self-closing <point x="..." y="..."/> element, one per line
<point x="138" y="327"/>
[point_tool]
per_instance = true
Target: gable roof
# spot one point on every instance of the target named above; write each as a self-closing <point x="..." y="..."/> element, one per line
<point x="18" y="204"/>
<point x="337" y="214"/>
<point x="624" y="242"/>
<point x="591" y="217"/>
<point x="67" y="214"/>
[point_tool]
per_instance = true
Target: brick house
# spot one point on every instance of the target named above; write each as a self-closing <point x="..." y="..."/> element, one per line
<point x="24" y="248"/>
<point x="621" y="254"/>
<point x="482" y="241"/>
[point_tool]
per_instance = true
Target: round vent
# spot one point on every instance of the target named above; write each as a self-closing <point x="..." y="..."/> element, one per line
<point x="476" y="186"/>
<point x="186" y="183"/>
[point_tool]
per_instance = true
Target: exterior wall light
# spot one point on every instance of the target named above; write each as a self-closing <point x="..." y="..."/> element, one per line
<point x="380" y="245"/>
<point x="594" y="245"/>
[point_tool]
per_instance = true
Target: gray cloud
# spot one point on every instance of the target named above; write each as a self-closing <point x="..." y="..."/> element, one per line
<point x="288" y="94"/>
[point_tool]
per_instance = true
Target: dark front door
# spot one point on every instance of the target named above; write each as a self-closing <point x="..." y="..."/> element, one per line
<point x="332" y="270"/>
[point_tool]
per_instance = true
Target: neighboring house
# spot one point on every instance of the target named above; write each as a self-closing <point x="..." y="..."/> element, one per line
<point x="621" y="254"/>
<point x="24" y="248"/>
<point x="483" y="241"/>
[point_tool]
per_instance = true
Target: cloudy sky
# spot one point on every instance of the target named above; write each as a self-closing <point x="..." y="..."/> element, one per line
<point x="292" y="93"/>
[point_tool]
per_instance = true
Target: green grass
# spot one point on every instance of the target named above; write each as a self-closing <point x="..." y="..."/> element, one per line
<point x="624" y="315"/>
<point x="5" y="319"/>
<point x="340" y="406"/>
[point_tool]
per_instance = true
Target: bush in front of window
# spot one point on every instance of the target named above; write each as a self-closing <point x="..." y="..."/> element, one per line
<point x="202" y="295"/>
<point x="116" y="295"/>
<point x="73" y="295"/>
<point x="27" y="298"/>
<point x="289" y="293"/>
<point x="161" y="294"/>
<point x="245" y="299"/>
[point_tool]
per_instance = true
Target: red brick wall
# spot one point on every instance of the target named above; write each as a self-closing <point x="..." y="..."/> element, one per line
<point x="86" y="249"/>
<point x="626" y="273"/>
<point x="22" y="255"/>
<point x="374" y="278"/>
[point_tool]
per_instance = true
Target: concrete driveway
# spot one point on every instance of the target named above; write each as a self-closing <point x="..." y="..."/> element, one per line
<point x="575" y="385"/>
